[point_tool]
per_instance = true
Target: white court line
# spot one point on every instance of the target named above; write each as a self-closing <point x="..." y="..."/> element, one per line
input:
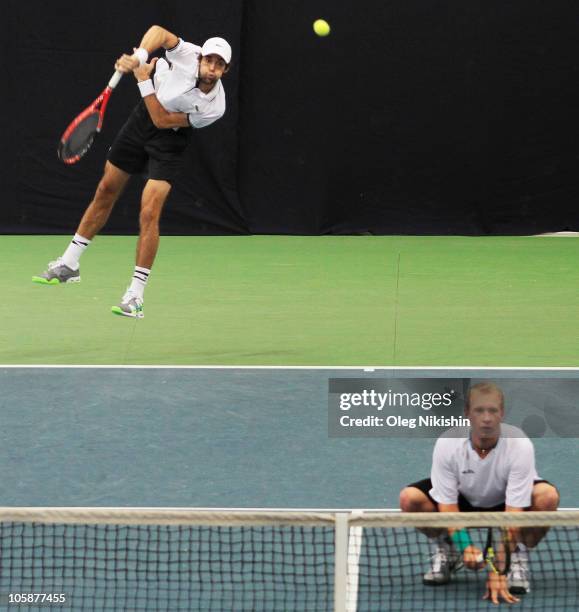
<point x="290" y="367"/>
<point x="557" y="235"/>
<point x="225" y="509"/>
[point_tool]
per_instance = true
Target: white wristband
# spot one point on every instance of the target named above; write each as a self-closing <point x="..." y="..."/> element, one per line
<point x="146" y="88"/>
<point x="142" y="55"/>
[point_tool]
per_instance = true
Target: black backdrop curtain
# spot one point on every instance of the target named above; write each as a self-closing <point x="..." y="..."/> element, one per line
<point x="412" y="117"/>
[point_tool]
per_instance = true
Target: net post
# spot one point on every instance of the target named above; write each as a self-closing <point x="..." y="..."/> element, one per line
<point x="341" y="562"/>
<point x="354" y="549"/>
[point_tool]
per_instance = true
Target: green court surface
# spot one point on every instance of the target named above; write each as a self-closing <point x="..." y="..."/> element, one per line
<point x="280" y="300"/>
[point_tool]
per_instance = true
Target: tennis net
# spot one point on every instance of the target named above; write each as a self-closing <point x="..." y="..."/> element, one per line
<point x="123" y="559"/>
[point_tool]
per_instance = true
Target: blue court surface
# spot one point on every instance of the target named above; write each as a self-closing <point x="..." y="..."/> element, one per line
<point x="224" y="437"/>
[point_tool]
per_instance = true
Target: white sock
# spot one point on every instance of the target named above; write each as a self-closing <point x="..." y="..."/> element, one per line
<point x="75" y="249"/>
<point x="140" y="278"/>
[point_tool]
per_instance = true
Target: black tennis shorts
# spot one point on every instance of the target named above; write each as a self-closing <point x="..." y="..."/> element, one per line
<point x="463" y="504"/>
<point x="140" y="147"/>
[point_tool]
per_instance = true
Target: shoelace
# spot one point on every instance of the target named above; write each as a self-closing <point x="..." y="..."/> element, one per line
<point x="55" y="263"/>
<point x="129" y="296"/>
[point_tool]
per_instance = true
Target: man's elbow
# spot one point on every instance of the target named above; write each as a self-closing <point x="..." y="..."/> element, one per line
<point x="168" y="39"/>
<point x="157" y="29"/>
<point x="162" y="121"/>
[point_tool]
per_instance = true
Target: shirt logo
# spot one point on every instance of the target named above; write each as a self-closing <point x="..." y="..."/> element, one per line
<point x="467" y="472"/>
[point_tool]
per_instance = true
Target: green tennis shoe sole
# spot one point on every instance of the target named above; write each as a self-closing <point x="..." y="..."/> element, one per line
<point x="133" y="315"/>
<point x="44" y="281"/>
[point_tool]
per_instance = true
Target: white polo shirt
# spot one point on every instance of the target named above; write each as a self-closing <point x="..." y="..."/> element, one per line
<point x="175" y="86"/>
<point x="505" y="475"/>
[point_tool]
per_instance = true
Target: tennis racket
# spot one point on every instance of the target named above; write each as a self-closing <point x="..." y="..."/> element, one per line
<point x="499" y="561"/>
<point x="79" y="135"/>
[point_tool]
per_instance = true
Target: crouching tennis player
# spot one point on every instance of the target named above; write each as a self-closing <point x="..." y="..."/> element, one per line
<point x="491" y="467"/>
<point x="184" y="92"/>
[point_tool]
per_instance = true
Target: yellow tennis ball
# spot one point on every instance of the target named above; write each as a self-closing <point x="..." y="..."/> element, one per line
<point x="321" y="27"/>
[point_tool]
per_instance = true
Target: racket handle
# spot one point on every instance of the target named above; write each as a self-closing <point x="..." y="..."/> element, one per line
<point x="115" y="79"/>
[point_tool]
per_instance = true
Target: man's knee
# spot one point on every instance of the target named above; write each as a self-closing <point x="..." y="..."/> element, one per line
<point x="414" y="500"/>
<point x="156" y="191"/>
<point x="108" y="190"/>
<point x="545" y="497"/>
<point x="105" y="191"/>
<point x="111" y="184"/>
<point x="154" y="197"/>
<point x="151" y="211"/>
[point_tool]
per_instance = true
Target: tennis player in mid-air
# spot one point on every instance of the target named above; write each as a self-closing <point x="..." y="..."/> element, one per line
<point x="181" y="91"/>
<point x="489" y="467"/>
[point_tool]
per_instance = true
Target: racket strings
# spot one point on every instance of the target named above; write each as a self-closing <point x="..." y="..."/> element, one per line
<point x="80" y="137"/>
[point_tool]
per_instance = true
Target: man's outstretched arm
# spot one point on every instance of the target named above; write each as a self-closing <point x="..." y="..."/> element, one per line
<point x="155" y="38"/>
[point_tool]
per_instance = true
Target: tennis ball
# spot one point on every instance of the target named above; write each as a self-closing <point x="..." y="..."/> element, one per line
<point x="321" y="27"/>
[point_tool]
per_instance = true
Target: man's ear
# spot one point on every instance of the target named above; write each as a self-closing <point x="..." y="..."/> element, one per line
<point x="226" y="69"/>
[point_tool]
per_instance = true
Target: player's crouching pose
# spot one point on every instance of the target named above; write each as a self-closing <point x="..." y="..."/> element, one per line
<point x="490" y="467"/>
<point x="184" y="92"/>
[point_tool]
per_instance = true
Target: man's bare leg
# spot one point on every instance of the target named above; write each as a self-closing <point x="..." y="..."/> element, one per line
<point x="107" y="193"/>
<point x="154" y="197"/>
<point x="414" y="500"/>
<point x="66" y="268"/>
<point x="545" y="498"/>
<point x="445" y="560"/>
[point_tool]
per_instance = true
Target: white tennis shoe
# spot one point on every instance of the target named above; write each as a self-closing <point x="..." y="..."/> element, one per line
<point x="131" y="306"/>
<point x="445" y="561"/>
<point x="519" y="575"/>
<point x="57" y="272"/>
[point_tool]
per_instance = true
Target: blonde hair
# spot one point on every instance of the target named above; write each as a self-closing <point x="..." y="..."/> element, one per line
<point x="485" y="388"/>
